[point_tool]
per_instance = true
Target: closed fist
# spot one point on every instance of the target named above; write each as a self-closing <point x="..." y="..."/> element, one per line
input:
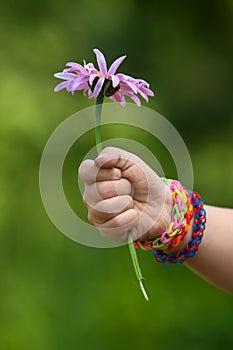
<point x="122" y="194"/>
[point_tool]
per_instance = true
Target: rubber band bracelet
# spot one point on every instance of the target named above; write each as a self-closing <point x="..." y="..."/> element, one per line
<point x="180" y="220"/>
<point x="192" y="246"/>
<point x="180" y="237"/>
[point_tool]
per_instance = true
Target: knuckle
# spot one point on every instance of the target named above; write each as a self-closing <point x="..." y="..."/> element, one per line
<point x="84" y="168"/>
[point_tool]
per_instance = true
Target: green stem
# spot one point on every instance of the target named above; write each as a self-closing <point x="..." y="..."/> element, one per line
<point x="136" y="265"/>
<point x="98" y="110"/>
<point x="98" y="139"/>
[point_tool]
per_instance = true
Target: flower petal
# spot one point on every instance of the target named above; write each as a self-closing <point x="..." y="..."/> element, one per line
<point x="135" y="99"/>
<point x="90" y="93"/>
<point x="60" y="86"/>
<point x="79" y="84"/>
<point x="147" y="91"/>
<point x="69" y="87"/>
<point x="124" y="77"/>
<point x="119" y="97"/>
<point x="143" y="95"/>
<point x="98" y="87"/>
<point x="141" y="81"/>
<point x="92" y="78"/>
<point x="132" y="85"/>
<point x="128" y="87"/>
<point x="90" y="68"/>
<point x="101" y="62"/>
<point x="85" y="90"/>
<point x="115" y="80"/>
<point x="114" y="66"/>
<point x="131" y="82"/>
<point x="66" y="76"/>
<point x="76" y="67"/>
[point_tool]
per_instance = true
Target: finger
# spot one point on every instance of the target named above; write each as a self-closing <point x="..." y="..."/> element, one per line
<point x="132" y="167"/>
<point x="144" y="180"/>
<point x="118" y="228"/>
<point x="115" y="157"/>
<point x="108" y="174"/>
<point x="109" y="208"/>
<point x="109" y="189"/>
<point x="106" y="189"/>
<point x="90" y="173"/>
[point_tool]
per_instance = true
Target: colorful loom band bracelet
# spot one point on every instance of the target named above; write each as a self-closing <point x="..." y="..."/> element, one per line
<point x="180" y="219"/>
<point x="180" y="237"/>
<point x="192" y="246"/>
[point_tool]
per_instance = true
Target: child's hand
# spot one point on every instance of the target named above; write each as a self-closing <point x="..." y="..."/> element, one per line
<point x="123" y="194"/>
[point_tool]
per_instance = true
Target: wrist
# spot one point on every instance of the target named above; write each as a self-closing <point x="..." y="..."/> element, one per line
<point x="188" y="225"/>
<point x="164" y="218"/>
<point x="174" y="222"/>
<point x="183" y="243"/>
<point x="194" y="242"/>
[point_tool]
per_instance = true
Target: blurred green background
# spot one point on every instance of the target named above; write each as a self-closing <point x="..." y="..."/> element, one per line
<point x="55" y="293"/>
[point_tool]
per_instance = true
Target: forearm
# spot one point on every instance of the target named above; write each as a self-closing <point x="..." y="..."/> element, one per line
<point x="214" y="259"/>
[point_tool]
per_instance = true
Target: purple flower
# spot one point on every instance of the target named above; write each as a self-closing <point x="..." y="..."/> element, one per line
<point x="103" y="81"/>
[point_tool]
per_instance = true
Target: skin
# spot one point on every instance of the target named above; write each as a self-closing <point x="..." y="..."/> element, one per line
<point x="123" y="193"/>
